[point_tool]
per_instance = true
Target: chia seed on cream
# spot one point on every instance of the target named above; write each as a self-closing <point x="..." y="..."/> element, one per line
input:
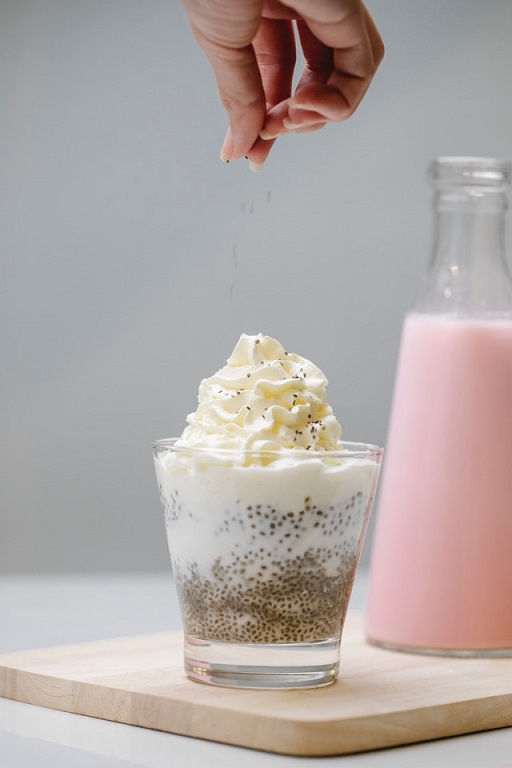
<point x="264" y="508"/>
<point x="264" y="399"/>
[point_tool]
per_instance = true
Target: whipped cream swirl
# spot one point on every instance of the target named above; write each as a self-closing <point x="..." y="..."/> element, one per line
<point x="264" y="399"/>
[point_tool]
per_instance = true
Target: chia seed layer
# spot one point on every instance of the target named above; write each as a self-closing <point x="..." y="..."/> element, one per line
<point x="275" y="574"/>
<point x="297" y="603"/>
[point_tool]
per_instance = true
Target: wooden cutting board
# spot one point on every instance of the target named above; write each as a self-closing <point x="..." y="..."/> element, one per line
<point x="382" y="698"/>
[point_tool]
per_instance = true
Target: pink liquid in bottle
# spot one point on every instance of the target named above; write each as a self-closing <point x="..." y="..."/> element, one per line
<point x="442" y="557"/>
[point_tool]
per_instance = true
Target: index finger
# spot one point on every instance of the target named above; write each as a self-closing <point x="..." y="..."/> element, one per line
<point x="225" y="32"/>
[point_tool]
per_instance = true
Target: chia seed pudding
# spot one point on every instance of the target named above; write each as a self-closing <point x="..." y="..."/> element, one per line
<point x="265" y="554"/>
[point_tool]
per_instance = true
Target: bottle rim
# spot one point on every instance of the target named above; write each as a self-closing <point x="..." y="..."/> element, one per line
<point x="469" y="171"/>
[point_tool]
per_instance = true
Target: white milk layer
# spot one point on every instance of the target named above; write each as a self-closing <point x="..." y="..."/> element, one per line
<point x="221" y="513"/>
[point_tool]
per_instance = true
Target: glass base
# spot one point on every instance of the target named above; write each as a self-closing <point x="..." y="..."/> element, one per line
<point x="468" y="653"/>
<point x="254" y="665"/>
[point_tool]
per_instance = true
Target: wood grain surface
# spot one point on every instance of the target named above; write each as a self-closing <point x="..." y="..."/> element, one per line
<point x="381" y="699"/>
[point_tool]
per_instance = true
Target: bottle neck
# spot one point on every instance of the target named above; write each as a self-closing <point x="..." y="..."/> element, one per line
<point x="468" y="273"/>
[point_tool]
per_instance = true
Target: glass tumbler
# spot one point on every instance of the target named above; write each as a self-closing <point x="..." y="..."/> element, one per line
<point x="264" y="549"/>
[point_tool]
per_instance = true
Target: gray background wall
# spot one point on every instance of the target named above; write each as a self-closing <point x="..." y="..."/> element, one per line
<point x="132" y="259"/>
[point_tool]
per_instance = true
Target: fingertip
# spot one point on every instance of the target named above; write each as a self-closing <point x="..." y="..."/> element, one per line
<point x="226" y="151"/>
<point x="266" y="135"/>
<point x="259" y="153"/>
<point x="255" y="167"/>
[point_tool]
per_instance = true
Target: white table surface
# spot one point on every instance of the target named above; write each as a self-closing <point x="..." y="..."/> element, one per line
<point x="43" y="611"/>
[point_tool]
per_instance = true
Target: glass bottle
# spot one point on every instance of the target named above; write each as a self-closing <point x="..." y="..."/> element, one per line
<point x="441" y="567"/>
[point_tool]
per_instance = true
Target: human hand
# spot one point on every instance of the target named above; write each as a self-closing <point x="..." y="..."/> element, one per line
<point x="251" y="47"/>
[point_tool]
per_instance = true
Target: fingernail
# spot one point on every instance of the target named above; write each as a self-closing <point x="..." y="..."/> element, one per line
<point x="227" y="148"/>
<point x="266" y="136"/>
<point x="302" y="127"/>
<point x="255" y="167"/>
